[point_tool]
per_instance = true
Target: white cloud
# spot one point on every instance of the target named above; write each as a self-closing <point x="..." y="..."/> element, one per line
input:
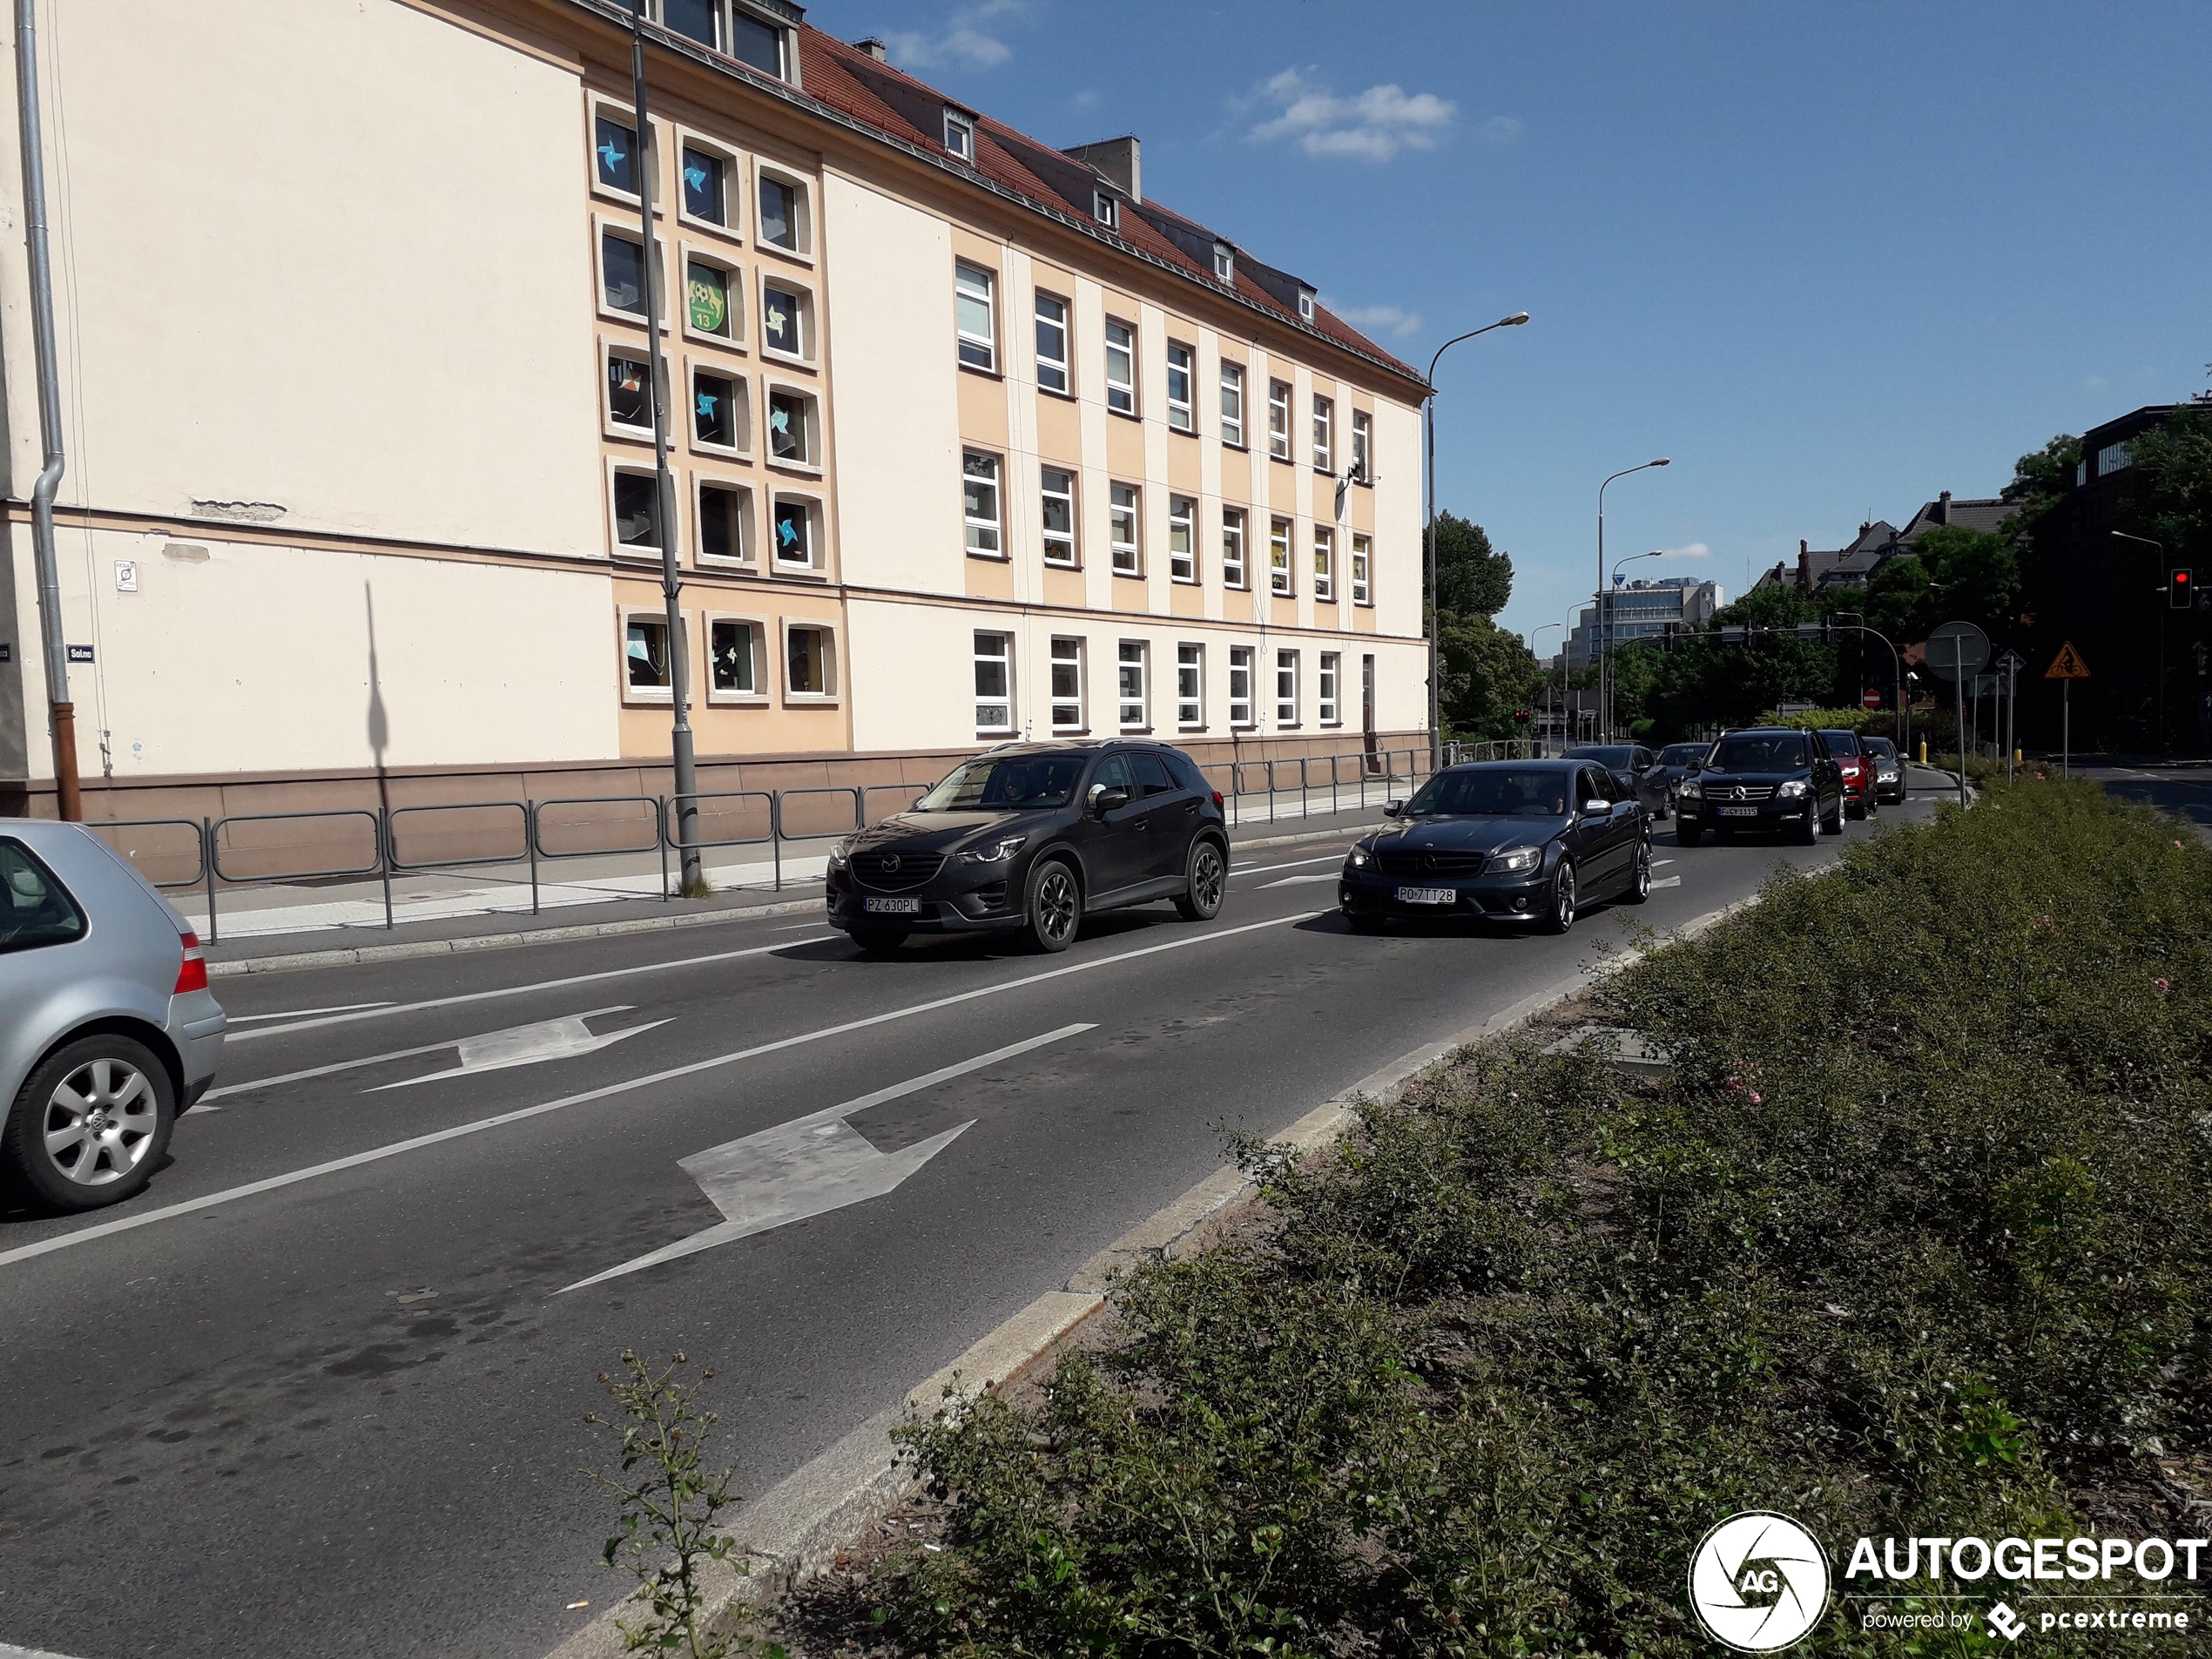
<point x="1373" y="126"/>
<point x="966" y="41"/>
<point x="1378" y="319"/>
<point x="1499" y="130"/>
<point x="1694" y="551"/>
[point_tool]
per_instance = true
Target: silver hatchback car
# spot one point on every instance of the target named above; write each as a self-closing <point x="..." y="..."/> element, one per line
<point x="107" y="1028"/>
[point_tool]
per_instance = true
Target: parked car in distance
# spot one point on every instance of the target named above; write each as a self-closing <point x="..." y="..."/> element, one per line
<point x="1764" y="777"/>
<point x="1889" y="770"/>
<point x="1031" y="836"/>
<point x="1520" y="841"/>
<point x="1678" y="760"/>
<point x="1637" y="768"/>
<point x="1857" y="767"/>
<point x="107" y="1027"/>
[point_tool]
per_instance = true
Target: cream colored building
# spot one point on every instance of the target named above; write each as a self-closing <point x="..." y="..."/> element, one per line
<point x="969" y="440"/>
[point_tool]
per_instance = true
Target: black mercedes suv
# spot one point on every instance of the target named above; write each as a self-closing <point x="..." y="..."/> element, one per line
<point x="1030" y="836"/>
<point x="1765" y="777"/>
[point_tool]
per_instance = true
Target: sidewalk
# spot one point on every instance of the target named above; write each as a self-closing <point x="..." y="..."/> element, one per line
<point x="478" y="915"/>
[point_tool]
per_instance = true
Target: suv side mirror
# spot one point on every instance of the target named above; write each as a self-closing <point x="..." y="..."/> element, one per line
<point x="1391" y="808"/>
<point x="1108" y="798"/>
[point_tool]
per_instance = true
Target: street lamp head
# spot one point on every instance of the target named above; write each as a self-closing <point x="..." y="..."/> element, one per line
<point x="1514" y="322"/>
<point x="1664" y="461"/>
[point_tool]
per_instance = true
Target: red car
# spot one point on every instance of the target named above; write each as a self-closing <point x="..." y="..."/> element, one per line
<point x="1857" y="767"/>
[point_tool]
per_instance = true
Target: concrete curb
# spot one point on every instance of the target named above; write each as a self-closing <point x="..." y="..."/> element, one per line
<point x="795" y="1530"/>
<point x="360" y="955"/>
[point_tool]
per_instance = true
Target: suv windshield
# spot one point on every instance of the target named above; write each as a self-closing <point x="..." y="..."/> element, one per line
<point x="1783" y="752"/>
<point x="1842" y="743"/>
<point x="1009" y="784"/>
<point x="1503" y="793"/>
<point x="1617" y="756"/>
<point x="1681" y="754"/>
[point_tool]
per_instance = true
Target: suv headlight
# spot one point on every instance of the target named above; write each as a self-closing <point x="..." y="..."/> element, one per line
<point x="994" y="852"/>
<point x="838" y="856"/>
<point x="1519" y="861"/>
<point x="1690" y="789"/>
<point x="1793" y="788"/>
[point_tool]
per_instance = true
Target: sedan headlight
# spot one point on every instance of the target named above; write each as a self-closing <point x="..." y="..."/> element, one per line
<point x="1361" y="858"/>
<point x="1690" y="789"/>
<point x="1795" y="787"/>
<point x="1519" y="861"/>
<point x="994" y="852"/>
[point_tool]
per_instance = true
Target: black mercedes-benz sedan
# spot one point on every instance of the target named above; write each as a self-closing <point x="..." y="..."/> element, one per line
<point x="1033" y="836"/>
<point x="1524" y="842"/>
<point x="1764" y="777"/>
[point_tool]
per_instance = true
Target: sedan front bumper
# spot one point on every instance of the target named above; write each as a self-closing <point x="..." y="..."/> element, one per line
<point x="1492" y="898"/>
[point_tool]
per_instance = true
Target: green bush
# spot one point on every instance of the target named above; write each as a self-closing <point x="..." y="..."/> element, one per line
<point x="1913" y="1239"/>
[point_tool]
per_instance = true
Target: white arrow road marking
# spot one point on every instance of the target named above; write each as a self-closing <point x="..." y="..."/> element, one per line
<point x="409" y="1053"/>
<point x="524" y="1114"/>
<point x="524" y="1045"/>
<point x="1300" y="880"/>
<point x="811" y="1165"/>
<point x="1666" y="882"/>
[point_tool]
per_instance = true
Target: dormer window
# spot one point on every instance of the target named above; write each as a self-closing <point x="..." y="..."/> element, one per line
<point x="1102" y="208"/>
<point x="1305" y="303"/>
<point x="1224" y="263"/>
<point x="960" y="135"/>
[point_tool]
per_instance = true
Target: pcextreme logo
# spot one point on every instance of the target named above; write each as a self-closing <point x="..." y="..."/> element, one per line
<point x="1758" y="1581"/>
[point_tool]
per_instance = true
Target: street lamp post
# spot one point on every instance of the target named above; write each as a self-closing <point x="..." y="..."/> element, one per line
<point x="1562" y="652"/>
<point x="2122" y="535"/>
<point x="1428" y="420"/>
<point x="1604" y="705"/>
<point x="1897" y="678"/>
<point x="1605" y="700"/>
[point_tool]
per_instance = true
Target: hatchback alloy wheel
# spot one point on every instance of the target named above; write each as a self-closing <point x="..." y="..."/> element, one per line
<point x="100" y="1123"/>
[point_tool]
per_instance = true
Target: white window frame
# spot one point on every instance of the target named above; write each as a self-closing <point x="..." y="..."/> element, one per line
<point x="1138" y="654"/>
<point x="741" y="384"/>
<point x="986" y="536"/>
<point x="732" y="293"/>
<point x="1132" y="510"/>
<point x="1287" y="662"/>
<point x="1363" y="447"/>
<point x="787" y="47"/>
<point x="1324" y="435"/>
<point x="1305" y="305"/>
<point x="960" y="134"/>
<point x="1105" y="210"/>
<point x="809" y="336"/>
<point x="802" y="212"/>
<point x="975" y="350"/>
<point x="1070" y="539"/>
<point x="1363" y="570"/>
<point x="1190" y="686"/>
<point x="648" y="617"/>
<point x="748" y="532"/>
<point x="1328" y="703"/>
<point x="1282" y="561"/>
<point x="616" y="546"/>
<point x="830" y="665"/>
<point x="1125" y="389"/>
<point x="1241" y="669"/>
<point x="1325" y="563"/>
<point x="732" y="226"/>
<point x="631" y="351"/>
<point x="1181" y="415"/>
<point x="1224" y="263"/>
<point x="1068" y="651"/>
<point x="1003" y="658"/>
<point x="811" y="403"/>
<point x="642" y="154"/>
<point x="1060" y="366"/>
<point x="1183" y="520"/>
<point x="605" y="226"/>
<point x="1279" y="420"/>
<point x="1233" y="404"/>
<point x="760" y="695"/>
<point x="817" y="563"/>
<point x="1234" y="571"/>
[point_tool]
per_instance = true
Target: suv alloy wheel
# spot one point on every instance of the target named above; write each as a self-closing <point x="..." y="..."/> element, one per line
<point x="1200" y="899"/>
<point x="1053" y="907"/>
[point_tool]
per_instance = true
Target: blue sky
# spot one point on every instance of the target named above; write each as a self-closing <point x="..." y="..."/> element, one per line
<point x="1832" y="260"/>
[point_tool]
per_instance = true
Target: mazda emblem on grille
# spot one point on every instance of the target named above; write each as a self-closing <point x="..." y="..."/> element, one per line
<point x="891" y="860"/>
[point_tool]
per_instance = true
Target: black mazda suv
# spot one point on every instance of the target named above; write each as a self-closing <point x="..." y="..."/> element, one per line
<point x="1031" y="836"/>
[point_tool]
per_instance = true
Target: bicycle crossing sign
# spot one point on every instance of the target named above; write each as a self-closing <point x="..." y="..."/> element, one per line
<point x="2068" y="665"/>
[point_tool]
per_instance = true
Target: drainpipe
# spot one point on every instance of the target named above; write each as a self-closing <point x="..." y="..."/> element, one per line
<point x="62" y="713"/>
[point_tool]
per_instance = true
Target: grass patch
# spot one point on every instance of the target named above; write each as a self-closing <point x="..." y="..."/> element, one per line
<point x="1913" y="1239"/>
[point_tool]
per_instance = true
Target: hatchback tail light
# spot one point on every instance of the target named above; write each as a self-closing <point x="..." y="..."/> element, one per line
<point x="1217" y="798"/>
<point x="191" y="972"/>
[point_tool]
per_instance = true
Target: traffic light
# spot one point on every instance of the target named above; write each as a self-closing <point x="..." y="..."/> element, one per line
<point x="2181" y="589"/>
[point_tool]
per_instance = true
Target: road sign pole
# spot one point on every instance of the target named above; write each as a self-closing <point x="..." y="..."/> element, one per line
<point x="1958" y="686"/>
<point x="2066" y="729"/>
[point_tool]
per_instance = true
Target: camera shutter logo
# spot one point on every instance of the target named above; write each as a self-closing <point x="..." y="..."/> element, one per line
<point x="1758" y="1581"/>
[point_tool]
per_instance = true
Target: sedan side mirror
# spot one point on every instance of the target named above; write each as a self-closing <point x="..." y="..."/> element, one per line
<point x="1108" y="798"/>
<point x="1596" y="808"/>
<point x="1391" y="808"/>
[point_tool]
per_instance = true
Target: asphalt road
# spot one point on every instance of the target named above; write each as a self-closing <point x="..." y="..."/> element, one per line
<point x="2186" y="792"/>
<point x="340" y="1412"/>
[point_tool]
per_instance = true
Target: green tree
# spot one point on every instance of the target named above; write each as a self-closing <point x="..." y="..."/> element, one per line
<point x="1488" y="673"/>
<point x="2171" y="501"/>
<point x="1973" y="576"/>
<point x="1472" y="577"/>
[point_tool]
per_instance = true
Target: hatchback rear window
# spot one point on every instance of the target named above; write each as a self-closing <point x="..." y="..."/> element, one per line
<point x="34" y="908"/>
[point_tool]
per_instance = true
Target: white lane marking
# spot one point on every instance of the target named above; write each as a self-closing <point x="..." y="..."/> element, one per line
<point x="1666" y="882"/>
<point x="297" y="1013"/>
<point x="1333" y="857"/>
<point x="1655" y="863"/>
<point x="1300" y="880"/>
<point x="8" y="1651"/>
<point x="524" y="990"/>
<point x="811" y="1165"/>
<point x="523" y="1045"/>
<point x="395" y="1053"/>
<point x="376" y="1153"/>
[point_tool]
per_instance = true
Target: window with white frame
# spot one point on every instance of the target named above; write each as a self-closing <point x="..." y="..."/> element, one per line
<point x="1224" y="262"/>
<point x="787" y="320"/>
<point x="704" y="174"/>
<point x="711" y="299"/>
<point x="1279" y="420"/>
<point x="980" y="500"/>
<point x="1121" y="367"/>
<point x="1122" y="516"/>
<point x="696" y="20"/>
<point x="1233" y="404"/>
<point x="755" y="40"/>
<point x="622" y="272"/>
<point x="1324" y="426"/>
<point x="785" y="214"/>
<point x="1067" y="684"/>
<point x="629" y="396"/>
<point x="614" y="153"/>
<point x="960" y="134"/>
<point x="974" y="305"/>
<point x="1305" y="303"/>
<point x="810" y="661"/>
<point x="1190" y="687"/>
<point x="1363" y="558"/>
<point x="1058" y="487"/>
<point x="790" y="527"/>
<point x="1324" y="689"/>
<point x="733" y="659"/>
<point x="1232" y="547"/>
<point x="1278" y="557"/>
<point x="1104" y="209"/>
<point x="994" y="683"/>
<point x="645" y="659"/>
<point x="1286" y="688"/>
<point x="1362" y="438"/>
<point x="1324" y="562"/>
<point x="1183" y="558"/>
<point x="720" y="418"/>
<point x="1135" y="659"/>
<point x="724" y="512"/>
<point x="1240" y="685"/>
<point x="1180" y="416"/>
<point x="1052" y="342"/>
<point x="791" y="433"/>
<point x="636" y="500"/>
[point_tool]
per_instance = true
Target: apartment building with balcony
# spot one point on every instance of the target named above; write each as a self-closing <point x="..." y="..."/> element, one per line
<point x="970" y="439"/>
